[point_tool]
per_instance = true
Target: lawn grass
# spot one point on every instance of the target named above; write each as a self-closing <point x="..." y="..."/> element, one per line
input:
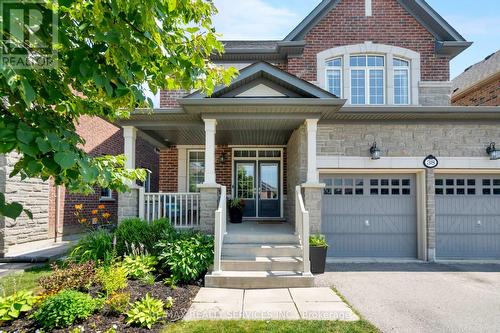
<point x="23" y="280"/>
<point x="299" y="326"/>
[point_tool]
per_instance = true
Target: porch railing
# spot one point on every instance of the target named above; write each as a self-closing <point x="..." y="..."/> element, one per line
<point x="302" y="229"/>
<point x="220" y="230"/>
<point x="182" y="209"/>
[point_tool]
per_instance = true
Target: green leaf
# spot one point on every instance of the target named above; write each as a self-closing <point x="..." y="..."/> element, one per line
<point x="12" y="210"/>
<point x="172" y="5"/>
<point x="25" y="133"/>
<point x="65" y="159"/>
<point x="43" y="145"/>
<point x="28" y="92"/>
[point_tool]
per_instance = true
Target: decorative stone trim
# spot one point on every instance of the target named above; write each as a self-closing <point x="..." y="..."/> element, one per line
<point x="388" y="51"/>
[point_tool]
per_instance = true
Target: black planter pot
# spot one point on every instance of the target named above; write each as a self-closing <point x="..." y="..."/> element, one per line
<point x="317" y="256"/>
<point x="235" y="215"/>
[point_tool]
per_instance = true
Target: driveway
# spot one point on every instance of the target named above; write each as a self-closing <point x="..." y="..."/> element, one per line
<point x="419" y="297"/>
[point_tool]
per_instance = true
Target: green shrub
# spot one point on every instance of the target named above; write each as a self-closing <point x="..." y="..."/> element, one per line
<point x="134" y="232"/>
<point x="12" y="306"/>
<point x="63" y="309"/>
<point x="147" y="311"/>
<point x="187" y="257"/>
<point x="112" y="278"/>
<point x="318" y="241"/>
<point x="74" y="276"/>
<point x="117" y="303"/>
<point x="95" y="246"/>
<point x="139" y="266"/>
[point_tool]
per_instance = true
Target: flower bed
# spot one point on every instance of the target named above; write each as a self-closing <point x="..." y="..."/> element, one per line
<point x="136" y="279"/>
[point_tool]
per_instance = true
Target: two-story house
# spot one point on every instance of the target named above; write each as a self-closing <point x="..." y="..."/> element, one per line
<point x="343" y="128"/>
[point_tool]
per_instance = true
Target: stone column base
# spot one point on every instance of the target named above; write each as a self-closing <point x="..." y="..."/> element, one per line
<point x="208" y="205"/>
<point x="312" y="201"/>
<point x="128" y="204"/>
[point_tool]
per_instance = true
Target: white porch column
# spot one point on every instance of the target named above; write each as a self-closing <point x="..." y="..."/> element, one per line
<point x="312" y="130"/>
<point x="210" y="129"/>
<point x="129" y="203"/>
<point x="129" y="136"/>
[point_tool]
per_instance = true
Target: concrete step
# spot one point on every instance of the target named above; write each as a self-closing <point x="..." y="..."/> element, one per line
<point x="261" y="263"/>
<point x="258" y="280"/>
<point x="261" y="250"/>
<point x="261" y="238"/>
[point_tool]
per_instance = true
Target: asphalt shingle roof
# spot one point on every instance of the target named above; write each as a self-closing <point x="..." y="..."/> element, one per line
<point x="478" y="72"/>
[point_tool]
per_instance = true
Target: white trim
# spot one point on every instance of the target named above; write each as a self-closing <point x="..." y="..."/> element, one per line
<point x="335" y="162"/>
<point x="210" y="129"/>
<point x="368" y="7"/>
<point x="129" y="142"/>
<point x="366" y="48"/>
<point x="106" y="197"/>
<point x="257" y="159"/>
<point x="312" y="130"/>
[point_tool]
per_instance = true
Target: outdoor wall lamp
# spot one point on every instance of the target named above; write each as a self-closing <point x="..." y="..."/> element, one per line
<point x="223" y="158"/>
<point x="375" y="152"/>
<point x="493" y="152"/>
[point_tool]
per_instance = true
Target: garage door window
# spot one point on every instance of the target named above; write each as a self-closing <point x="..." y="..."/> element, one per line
<point x="344" y="186"/>
<point x="461" y="186"/>
<point x="390" y="186"/>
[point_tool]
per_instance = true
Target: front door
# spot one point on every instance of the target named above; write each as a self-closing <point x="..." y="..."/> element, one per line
<point x="269" y="189"/>
<point x="258" y="183"/>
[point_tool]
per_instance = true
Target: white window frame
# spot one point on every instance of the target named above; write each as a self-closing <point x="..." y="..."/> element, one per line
<point x="408" y="71"/>
<point x="147" y="182"/>
<point x="188" y="160"/>
<point x="367" y="70"/>
<point x="107" y="197"/>
<point x="340" y="69"/>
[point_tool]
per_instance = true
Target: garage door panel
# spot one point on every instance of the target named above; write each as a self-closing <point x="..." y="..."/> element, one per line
<point x="467" y="217"/>
<point x="373" y="219"/>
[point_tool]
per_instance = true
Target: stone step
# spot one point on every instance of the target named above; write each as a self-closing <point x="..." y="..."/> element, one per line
<point x="261" y="250"/>
<point x="258" y="280"/>
<point x="261" y="263"/>
<point x="261" y="238"/>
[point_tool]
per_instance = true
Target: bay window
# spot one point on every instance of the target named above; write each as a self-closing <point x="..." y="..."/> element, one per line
<point x="334" y="76"/>
<point x="367" y="79"/>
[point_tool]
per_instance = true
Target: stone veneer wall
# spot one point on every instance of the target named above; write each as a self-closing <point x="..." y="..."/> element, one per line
<point x="33" y="194"/>
<point x="434" y="93"/>
<point x="296" y="168"/>
<point x="397" y="139"/>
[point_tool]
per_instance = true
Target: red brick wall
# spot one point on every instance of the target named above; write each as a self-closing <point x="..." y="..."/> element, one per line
<point x="487" y="94"/>
<point x="390" y="24"/>
<point x="168" y="98"/>
<point x="101" y="138"/>
<point x="223" y="172"/>
<point x="169" y="170"/>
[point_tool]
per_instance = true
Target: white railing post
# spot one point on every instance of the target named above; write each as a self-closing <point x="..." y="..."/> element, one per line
<point x="305" y="244"/>
<point x="142" y="203"/>
<point x="219" y="230"/>
<point x="302" y="228"/>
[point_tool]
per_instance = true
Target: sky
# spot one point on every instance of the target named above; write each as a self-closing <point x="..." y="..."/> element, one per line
<point x="476" y="20"/>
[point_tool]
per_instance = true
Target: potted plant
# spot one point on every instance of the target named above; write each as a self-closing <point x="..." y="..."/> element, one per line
<point x="317" y="253"/>
<point x="236" y="206"/>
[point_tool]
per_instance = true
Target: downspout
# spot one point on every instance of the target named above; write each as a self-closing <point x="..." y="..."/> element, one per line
<point x="58" y="212"/>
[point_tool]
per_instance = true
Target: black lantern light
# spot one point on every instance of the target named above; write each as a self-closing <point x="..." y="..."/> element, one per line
<point x="375" y="152"/>
<point x="493" y="152"/>
<point x="223" y="158"/>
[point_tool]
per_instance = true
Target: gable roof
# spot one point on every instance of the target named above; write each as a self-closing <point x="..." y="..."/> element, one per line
<point x="270" y="73"/>
<point x="448" y="40"/>
<point x="481" y="71"/>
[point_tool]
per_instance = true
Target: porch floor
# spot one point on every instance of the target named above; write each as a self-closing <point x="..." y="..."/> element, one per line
<point x="260" y="228"/>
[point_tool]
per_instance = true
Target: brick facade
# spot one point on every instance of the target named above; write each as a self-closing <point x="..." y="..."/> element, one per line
<point x="484" y="94"/>
<point x="169" y="170"/>
<point x="390" y="24"/>
<point x="168" y="98"/>
<point x="101" y="138"/>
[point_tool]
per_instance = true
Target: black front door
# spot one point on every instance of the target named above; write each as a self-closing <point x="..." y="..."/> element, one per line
<point x="269" y="189"/>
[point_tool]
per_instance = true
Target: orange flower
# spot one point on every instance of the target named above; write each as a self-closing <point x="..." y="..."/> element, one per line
<point x="94" y="212"/>
<point x="106" y="215"/>
<point x="83" y="220"/>
<point x="101" y="206"/>
<point x="95" y="220"/>
<point x="79" y="207"/>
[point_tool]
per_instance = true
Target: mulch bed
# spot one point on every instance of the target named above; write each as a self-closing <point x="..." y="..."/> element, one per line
<point x="100" y="322"/>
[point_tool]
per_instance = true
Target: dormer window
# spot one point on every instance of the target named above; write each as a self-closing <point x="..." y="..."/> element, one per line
<point x="334" y="76"/>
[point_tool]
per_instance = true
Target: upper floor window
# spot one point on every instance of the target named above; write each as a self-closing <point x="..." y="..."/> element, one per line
<point x="367" y="79"/>
<point x="334" y="76"/>
<point x="370" y="74"/>
<point x="401" y="81"/>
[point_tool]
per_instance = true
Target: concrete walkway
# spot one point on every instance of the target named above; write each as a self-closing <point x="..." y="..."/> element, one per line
<point x="269" y="304"/>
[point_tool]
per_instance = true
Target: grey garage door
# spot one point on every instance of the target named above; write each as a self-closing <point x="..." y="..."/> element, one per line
<point x="370" y="215"/>
<point x="468" y="217"/>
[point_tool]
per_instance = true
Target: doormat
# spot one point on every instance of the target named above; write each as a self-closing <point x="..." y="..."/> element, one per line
<point x="270" y="222"/>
